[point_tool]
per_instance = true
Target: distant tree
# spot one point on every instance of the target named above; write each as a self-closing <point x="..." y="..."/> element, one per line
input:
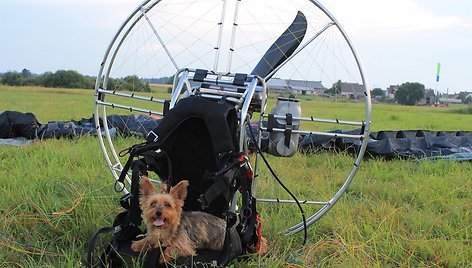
<point x="410" y="93"/>
<point x="463" y="96"/>
<point x="335" y="89"/>
<point x="26" y="73"/>
<point x="111" y="84"/>
<point x="66" y="79"/>
<point x="377" y="92"/>
<point x="131" y="83"/>
<point x="468" y="100"/>
<point x="72" y="79"/>
<point x="12" y="79"/>
<point x="170" y="80"/>
<point x="134" y="83"/>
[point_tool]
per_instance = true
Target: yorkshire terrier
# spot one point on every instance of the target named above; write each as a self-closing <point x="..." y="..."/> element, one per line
<point x="181" y="233"/>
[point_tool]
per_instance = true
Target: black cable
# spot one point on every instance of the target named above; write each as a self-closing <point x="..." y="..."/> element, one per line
<point x="259" y="151"/>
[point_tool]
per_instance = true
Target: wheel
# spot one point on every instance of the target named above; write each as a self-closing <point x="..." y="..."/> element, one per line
<point x="291" y="49"/>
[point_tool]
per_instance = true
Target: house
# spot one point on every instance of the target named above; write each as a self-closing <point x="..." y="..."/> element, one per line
<point x="391" y="90"/>
<point x="352" y="90"/>
<point x="277" y="84"/>
<point x="450" y="98"/>
<point x="304" y="87"/>
<point x="429" y="98"/>
<point x="301" y="87"/>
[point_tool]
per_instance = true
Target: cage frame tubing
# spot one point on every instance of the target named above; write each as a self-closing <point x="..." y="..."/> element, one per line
<point x="144" y="14"/>
<point x="177" y="89"/>
<point x="114" y="47"/>
<point x="250" y="89"/>
<point x="129" y="108"/>
<point x="131" y="96"/>
<point x="233" y="36"/>
<point x="104" y="63"/>
<point x="329" y="134"/>
<point x="321" y="120"/>
<point x="299" y="227"/>
<point x="220" y="36"/>
<point x="259" y="136"/>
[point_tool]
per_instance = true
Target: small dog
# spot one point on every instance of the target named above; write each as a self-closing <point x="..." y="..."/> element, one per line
<point x="180" y="232"/>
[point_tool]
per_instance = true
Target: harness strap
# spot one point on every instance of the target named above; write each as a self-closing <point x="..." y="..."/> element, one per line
<point x="93" y="242"/>
<point x="223" y="180"/>
<point x="134" y="213"/>
<point x="154" y="162"/>
<point x="288" y="129"/>
<point x="123" y="173"/>
<point x="249" y="211"/>
<point x="221" y="186"/>
<point x="250" y="228"/>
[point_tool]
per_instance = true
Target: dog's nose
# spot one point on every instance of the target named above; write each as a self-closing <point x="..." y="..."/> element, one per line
<point x="158" y="213"/>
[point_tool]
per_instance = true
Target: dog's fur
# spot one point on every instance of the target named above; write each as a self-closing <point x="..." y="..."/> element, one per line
<point x="180" y="232"/>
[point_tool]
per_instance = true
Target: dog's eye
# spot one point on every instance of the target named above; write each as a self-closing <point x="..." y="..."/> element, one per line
<point x="153" y="203"/>
<point x="167" y="205"/>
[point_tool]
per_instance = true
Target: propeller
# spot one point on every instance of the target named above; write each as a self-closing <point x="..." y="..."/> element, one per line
<point x="282" y="48"/>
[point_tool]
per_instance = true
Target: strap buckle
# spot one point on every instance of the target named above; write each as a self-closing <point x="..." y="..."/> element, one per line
<point x="152" y="136"/>
<point x="203" y="201"/>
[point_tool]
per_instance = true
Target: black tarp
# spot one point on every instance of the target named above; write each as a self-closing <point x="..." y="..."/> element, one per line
<point x="384" y="144"/>
<point x="16" y="125"/>
<point x="397" y="144"/>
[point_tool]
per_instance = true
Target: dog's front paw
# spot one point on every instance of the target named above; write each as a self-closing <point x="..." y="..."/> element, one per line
<point x="165" y="257"/>
<point x="168" y="255"/>
<point x="140" y="245"/>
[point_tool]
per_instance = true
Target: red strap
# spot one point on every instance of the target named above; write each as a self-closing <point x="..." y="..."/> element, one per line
<point x="259" y="234"/>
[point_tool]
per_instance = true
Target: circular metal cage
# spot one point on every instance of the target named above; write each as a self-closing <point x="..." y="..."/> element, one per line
<point x="255" y="54"/>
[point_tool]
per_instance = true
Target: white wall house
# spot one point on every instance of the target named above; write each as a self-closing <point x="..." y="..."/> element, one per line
<point x="299" y="87"/>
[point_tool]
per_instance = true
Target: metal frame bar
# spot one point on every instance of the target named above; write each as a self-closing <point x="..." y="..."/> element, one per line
<point x="233" y="36"/>
<point x="132" y="96"/>
<point x="220" y="35"/>
<point x="143" y="12"/>
<point x="322" y="120"/>
<point x="129" y="108"/>
<point x="299" y="227"/>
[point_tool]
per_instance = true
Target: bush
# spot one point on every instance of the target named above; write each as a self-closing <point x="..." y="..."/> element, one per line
<point x="131" y="83"/>
<point x="409" y="93"/>
<point x="67" y="79"/>
<point x="12" y="79"/>
<point x="71" y="79"/>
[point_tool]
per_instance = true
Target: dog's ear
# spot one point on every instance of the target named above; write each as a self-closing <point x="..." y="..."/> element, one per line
<point x="146" y="187"/>
<point x="180" y="190"/>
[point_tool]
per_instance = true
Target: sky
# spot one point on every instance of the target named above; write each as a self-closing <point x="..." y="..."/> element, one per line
<point x="398" y="41"/>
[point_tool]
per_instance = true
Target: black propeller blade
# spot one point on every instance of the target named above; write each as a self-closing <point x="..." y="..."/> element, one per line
<point x="282" y="48"/>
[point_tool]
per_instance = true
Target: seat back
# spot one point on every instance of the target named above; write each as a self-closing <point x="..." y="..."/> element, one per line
<point x="198" y="136"/>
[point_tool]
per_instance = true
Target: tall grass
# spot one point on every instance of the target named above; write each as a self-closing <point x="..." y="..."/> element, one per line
<point x="55" y="193"/>
<point x="464" y="110"/>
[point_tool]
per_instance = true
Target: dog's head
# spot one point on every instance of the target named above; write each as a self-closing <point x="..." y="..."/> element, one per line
<point x="161" y="211"/>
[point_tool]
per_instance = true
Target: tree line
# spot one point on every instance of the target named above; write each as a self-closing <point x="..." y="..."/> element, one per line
<point x="409" y="93"/>
<point x="71" y="79"/>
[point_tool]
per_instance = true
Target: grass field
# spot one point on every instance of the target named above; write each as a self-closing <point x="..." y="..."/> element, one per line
<point x="403" y="213"/>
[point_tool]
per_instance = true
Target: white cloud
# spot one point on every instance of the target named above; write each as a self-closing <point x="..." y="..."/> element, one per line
<point x="406" y="16"/>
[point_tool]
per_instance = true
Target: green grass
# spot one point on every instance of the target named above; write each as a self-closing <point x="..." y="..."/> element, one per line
<point x="55" y="193"/>
<point x="463" y="110"/>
